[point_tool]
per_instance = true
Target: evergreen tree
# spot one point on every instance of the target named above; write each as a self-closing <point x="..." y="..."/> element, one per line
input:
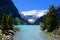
<point x="7" y="21"/>
<point x="17" y="21"/>
<point x="10" y="21"/>
<point x="4" y="21"/>
<point x="50" y="19"/>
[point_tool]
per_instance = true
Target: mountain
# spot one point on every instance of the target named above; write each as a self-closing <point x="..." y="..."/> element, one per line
<point x="37" y="16"/>
<point x="26" y="17"/>
<point x="9" y="7"/>
<point x="57" y="9"/>
<point x="39" y="20"/>
<point x="30" y="17"/>
<point x="33" y="16"/>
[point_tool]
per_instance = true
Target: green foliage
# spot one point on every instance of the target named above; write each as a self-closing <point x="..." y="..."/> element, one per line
<point x="42" y="25"/>
<point x="18" y="21"/>
<point x="10" y="21"/>
<point x="1" y="27"/>
<point x="16" y="28"/>
<point x="50" y="20"/>
<point x="56" y="32"/>
<point x="59" y="24"/>
<point x="6" y="21"/>
<point x="0" y="37"/>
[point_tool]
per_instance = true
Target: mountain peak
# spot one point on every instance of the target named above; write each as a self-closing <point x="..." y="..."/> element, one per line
<point x="35" y="14"/>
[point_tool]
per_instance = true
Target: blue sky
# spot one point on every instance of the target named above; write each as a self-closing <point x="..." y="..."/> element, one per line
<point x="26" y="5"/>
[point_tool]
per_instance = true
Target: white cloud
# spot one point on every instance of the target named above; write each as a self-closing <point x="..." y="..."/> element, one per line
<point x="31" y="20"/>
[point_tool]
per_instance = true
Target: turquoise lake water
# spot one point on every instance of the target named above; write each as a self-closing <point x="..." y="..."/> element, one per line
<point x="30" y="32"/>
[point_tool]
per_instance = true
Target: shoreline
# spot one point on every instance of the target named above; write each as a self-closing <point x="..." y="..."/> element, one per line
<point x="8" y="35"/>
<point x="53" y="37"/>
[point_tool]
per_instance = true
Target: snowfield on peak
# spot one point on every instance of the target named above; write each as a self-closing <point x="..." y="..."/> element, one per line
<point x="35" y="14"/>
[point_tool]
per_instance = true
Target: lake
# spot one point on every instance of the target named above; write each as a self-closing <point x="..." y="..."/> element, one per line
<point x="30" y="32"/>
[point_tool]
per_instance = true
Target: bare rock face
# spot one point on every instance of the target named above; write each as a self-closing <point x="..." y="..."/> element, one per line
<point x="8" y="7"/>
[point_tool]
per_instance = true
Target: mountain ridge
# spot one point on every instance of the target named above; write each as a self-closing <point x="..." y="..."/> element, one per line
<point x="35" y="15"/>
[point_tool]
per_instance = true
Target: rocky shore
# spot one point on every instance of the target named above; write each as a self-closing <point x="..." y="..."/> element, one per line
<point x="53" y="36"/>
<point x="7" y="35"/>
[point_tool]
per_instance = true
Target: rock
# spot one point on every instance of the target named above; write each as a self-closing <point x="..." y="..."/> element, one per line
<point x="8" y="37"/>
<point x="0" y="32"/>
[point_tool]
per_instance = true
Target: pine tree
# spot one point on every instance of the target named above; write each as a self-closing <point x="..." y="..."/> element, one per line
<point x="7" y="21"/>
<point x="4" y="21"/>
<point x="10" y="21"/>
<point x="50" y="19"/>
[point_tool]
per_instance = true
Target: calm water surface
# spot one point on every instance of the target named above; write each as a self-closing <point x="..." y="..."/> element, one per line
<point x="30" y="32"/>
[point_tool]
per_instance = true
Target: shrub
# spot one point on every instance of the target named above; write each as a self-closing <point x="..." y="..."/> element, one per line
<point x="56" y="32"/>
<point x="0" y="37"/>
<point x="42" y="26"/>
<point x="16" y="28"/>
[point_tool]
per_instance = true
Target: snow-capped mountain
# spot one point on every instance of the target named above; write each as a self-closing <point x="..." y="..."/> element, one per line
<point x="33" y="15"/>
